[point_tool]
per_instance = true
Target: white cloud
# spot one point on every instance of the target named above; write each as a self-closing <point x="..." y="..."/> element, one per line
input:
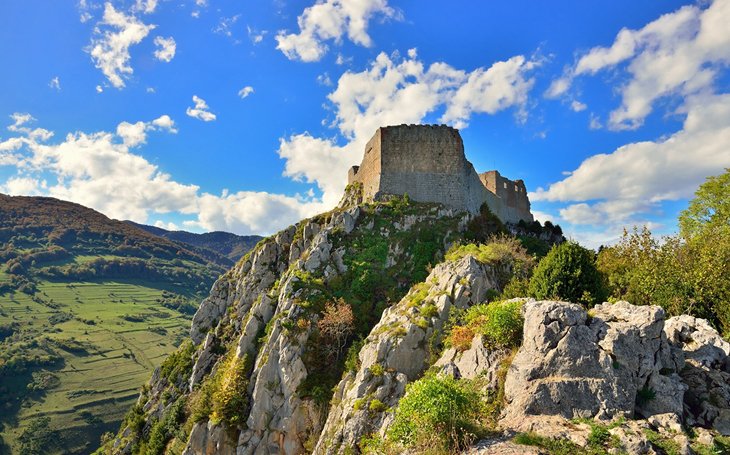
<point x="145" y="6"/>
<point x="256" y="36"/>
<point x="249" y="212"/>
<point x="226" y="24"/>
<point x="678" y="54"/>
<point x="324" y="79"/>
<point x="165" y="48"/>
<point x="55" y="83"/>
<point x="170" y="226"/>
<point x="637" y="177"/>
<point x="99" y="89"/>
<point x="328" y="20"/>
<point x="23" y="186"/>
<point x="342" y="60"/>
<point x="100" y="171"/>
<point x="393" y="91"/>
<point x="135" y="134"/>
<point x="488" y="91"/>
<point x="19" y="125"/>
<point x="245" y="91"/>
<point x="594" y="123"/>
<point x="201" y="110"/>
<point x="114" y="35"/>
<point x="577" y="106"/>
<point x="164" y="123"/>
<point x="132" y="134"/>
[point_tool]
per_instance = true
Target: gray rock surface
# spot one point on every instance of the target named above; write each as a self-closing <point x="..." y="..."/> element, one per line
<point x="574" y="366"/>
<point x="706" y="373"/>
<point x="397" y="351"/>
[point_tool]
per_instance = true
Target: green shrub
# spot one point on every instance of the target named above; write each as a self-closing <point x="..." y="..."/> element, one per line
<point x="377" y="369"/>
<point x="568" y="273"/>
<point x="437" y="409"/>
<point x="504" y="253"/>
<point x="163" y="430"/>
<point x="552" y="446"/>
<point x="352" y="361"/>
<point x="500" y="322"/>
<point x="516" y="287"/>
<point x="377" y="406"/>
<point x="483" y="226"/>
<point x="179" y="363"/>
<point x="230" y="399"/>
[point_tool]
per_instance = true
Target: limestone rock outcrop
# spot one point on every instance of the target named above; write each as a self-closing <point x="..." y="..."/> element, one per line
<point x="398" y="349"/>
<point x="706" y="372"/>
<point x="614" y="363"/>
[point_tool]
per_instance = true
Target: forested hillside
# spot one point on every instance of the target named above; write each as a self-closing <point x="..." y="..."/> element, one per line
<point x="89" y="306"/>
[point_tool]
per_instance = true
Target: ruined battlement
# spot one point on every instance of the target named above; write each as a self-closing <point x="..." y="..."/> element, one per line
<point x="428" y="163"/>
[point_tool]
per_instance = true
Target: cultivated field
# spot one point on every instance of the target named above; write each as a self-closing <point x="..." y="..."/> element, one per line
<point x="111" y="335"/>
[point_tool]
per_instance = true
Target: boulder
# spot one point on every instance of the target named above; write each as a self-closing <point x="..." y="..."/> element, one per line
<point x="706" y="373"/>
<point x="576" y="366"/>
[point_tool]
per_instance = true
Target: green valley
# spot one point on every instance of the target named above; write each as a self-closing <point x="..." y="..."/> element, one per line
<point x="88" y="308"/>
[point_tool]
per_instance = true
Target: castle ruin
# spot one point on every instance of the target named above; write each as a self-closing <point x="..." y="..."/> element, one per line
<point x="428" y="163"/>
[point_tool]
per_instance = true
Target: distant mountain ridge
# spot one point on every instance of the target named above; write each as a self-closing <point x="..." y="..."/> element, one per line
<point x="226" y="244"/>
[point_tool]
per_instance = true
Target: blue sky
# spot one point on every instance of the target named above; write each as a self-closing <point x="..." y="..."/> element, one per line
<point x="244" y="116"/>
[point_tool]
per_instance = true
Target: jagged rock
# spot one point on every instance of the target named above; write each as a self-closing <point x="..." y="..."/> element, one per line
<point x="574" y="366"/>
<point x="205" y="360"/>
<point x="666" y="422"/>
<point x="397" y="351"/>
<point x="707" y="372"/>
<point x="632" y="439"/>
<point x="501" y="446"/>
<point x="207" y="438"/>
<point x="478" y="360"/>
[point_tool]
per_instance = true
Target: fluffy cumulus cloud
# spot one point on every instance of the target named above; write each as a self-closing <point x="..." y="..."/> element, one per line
<point x="330" y="20"/>
<point x="201" y="110"/>
<point x="145" y="6"/>
<point x="98" y="170"/>
<point x="101" y="170"/>
<point x="614" y="188"/>
<point x="678" y="54"/>
<point x="135" y="134"/>
<point x="166" y="48"/>
<point x="392" y="91"/>
<point x="109" y="48"/>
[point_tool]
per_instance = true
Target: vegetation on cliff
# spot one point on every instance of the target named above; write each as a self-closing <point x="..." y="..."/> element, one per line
<point x="685" y="273"/>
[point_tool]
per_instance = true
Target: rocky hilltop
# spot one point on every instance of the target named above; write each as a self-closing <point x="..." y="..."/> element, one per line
<point x="319" y="340"/>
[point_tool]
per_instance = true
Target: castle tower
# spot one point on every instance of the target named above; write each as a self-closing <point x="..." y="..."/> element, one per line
<point x="428" y="163"/>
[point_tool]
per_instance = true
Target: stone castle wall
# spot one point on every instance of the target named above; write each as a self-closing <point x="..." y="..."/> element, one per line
<point x="428" y="163"/>
<point x="512" y="193"/>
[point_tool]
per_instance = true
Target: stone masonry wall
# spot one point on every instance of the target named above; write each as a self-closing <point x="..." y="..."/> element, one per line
<point x="513" y="193"/>
<point x="427" y="162"/>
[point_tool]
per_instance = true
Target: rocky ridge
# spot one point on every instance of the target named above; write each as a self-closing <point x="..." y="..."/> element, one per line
<point x="630" y="369"/>
<point x="263" y="314"/>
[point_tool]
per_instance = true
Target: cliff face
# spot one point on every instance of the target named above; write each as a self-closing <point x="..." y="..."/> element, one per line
<point x="258" y="376"/>
<point x="308" y="344"/>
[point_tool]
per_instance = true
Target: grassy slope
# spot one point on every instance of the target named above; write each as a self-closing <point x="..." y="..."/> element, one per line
<point x="105" y="334"/>
<point x="120" y="354"/>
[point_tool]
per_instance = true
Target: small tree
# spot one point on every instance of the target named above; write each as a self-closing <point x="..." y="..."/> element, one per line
<point x="568" y="273"/>
<point x="336" y="326"/>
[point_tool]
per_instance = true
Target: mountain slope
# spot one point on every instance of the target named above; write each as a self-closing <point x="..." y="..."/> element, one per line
<point x="270" y="342"/>
<point x="89" y="306"/>
<point x="231" y="246"/>
<point x="336" y="336"/>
